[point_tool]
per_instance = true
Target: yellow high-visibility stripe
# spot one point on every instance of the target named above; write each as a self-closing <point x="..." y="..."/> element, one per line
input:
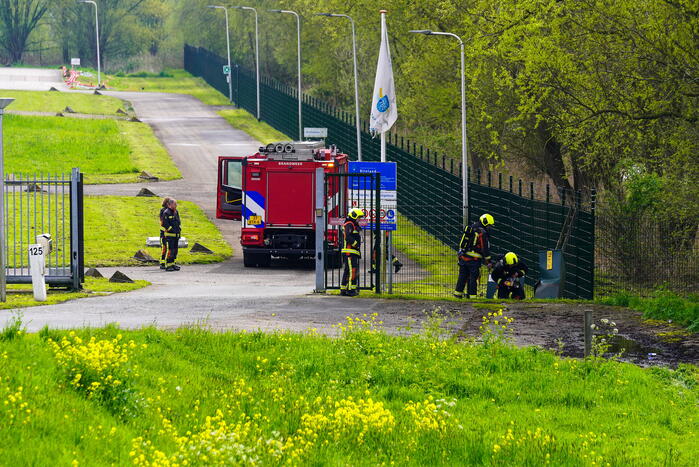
<point x="350" y="250"/>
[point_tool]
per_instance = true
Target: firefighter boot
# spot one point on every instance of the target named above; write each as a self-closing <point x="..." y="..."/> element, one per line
<point x="172" y="267"/>
<point x="396" y="266"/>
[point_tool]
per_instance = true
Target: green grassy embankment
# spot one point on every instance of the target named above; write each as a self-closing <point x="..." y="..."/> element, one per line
<point x="131" y="220"/>
<point x="661" y="305"/>
<point x="106" y="151"/>
<point x="116" y="227"/>
<point x="365" y="398"/>
<point x="46" y="101"/>
<point x="170" y="80"/>
<point x="245" y="121"/>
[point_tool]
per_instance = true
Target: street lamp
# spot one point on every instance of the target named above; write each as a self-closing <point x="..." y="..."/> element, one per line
<point x="298" y="55"/>
<point x="356" y="80"/>
<point x="4" y="102"/>
<point x="464" y="136"/>
<point x="97" y="34"/>
<point x="228" y="48"/>
<point x="257" y="55"/>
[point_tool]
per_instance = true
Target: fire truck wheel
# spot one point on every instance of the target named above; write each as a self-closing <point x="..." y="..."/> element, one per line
<point x="250" y="260"/>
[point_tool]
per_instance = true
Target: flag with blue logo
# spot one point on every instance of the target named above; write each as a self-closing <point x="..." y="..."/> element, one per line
<point x="384" y="111"/>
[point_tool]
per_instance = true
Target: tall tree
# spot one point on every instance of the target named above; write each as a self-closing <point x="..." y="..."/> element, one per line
<point x="18" y="19"/>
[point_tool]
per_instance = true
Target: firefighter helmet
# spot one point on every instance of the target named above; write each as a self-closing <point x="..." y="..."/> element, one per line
<point x="487" y="219"/>
<point x="511" y="259"/>
<point x="355" y="214"/>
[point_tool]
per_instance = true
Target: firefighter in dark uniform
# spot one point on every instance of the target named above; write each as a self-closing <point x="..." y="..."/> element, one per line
<point x="163" y="244"/>
<point x="474" y="250"/>
<point x="351" y="252"/>
<point x="506" y="273"/>
<point x="172" y="230"/>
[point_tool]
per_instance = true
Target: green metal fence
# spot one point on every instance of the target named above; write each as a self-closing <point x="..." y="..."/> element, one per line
<point x="429" y="190"/>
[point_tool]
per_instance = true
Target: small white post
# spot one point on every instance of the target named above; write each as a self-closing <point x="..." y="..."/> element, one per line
<point x="37" y="263"/>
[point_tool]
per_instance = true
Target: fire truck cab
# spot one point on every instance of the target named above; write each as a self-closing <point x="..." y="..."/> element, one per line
<point x="273" y="194"/>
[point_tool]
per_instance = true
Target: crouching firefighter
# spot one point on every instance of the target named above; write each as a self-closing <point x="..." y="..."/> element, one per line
<point x="507" y="272"/>
<point x="474" y="250"/>
<point x="171" y="231"/>
<point x="351" y="252"/>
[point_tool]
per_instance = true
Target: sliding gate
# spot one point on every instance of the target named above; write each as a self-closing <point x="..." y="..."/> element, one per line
<point x="45" y="204"/>
<point x="344" y="192"/>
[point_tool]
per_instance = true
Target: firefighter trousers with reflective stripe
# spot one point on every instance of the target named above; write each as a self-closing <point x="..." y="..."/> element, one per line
<point x="350" y="275"/>
<point x="172" y="247"/>
<point x="468" y="272"/>
<point x="163" y="248"/>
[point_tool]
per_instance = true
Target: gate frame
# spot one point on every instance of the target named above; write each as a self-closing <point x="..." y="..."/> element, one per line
<point x="375" y="279"/>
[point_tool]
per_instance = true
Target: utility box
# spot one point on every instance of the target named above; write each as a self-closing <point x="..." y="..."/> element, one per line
<point x="552" y="274"/>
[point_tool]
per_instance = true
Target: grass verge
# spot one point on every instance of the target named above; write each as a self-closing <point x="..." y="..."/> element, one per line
<point x="20" y="296"/>
<point x="107" y="151"/>
<point x="365" y="398"/>
<point x="662" y="305"/>
<point x="116" y="227"/>
<point x="172" y="81"/>
<point x="45" y="101"/>
<point x="244" y="121"/>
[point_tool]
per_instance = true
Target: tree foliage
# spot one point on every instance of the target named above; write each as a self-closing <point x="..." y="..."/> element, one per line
<point x="18" y="19"/>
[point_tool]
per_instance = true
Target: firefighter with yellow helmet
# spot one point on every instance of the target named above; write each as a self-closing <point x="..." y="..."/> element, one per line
<point x="351" y="252"/>
<point x="474" y="250"/>
<point x="507" y="272"/>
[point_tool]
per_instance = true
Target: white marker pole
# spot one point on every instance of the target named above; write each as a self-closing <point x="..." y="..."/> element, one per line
<point x="37" y="264"/>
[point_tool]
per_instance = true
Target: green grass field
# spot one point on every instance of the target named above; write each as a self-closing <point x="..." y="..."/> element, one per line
<point x="194" y="397"/>
<point x="117" y="227"/>
<point x="106" y="151"/>
<point x="175" y="81"/>
<point x="20" y="296"/>
<point x="45" y="101"/>
<point x="261" y="131"/>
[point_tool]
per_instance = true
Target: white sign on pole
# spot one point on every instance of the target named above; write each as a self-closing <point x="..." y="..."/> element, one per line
<point x="75" y="62"/>
<point x="37" y="263"/>
<point x="315" y="132"/>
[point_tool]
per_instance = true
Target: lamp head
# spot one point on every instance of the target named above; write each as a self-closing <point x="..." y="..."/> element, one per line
<point x="275" y="11"/>
<point x="426" y="32"/>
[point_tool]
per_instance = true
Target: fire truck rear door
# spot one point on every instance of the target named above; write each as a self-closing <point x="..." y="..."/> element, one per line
<point x="229" y="191"/>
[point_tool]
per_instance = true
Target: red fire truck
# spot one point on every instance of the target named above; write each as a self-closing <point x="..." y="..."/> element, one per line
<point x="273" y="193"/>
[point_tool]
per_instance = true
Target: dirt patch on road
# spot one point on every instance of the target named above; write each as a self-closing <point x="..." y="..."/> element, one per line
<point x="559" y="326"/>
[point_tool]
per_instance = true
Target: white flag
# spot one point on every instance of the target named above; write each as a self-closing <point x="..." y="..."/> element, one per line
<point x="384" y="111"/>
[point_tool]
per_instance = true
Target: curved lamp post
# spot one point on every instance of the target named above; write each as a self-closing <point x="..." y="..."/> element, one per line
<point x="97" y="34"/>
<point x="257" y="55"/>
<point x="464" y="136"/>
<point x="298" y="56"/>
<point x="356" y="80"/>
<point x="228" y="48"/>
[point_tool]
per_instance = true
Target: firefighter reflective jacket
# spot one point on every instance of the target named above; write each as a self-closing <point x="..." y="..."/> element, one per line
<point x="505" y="271"/>
<point x="162" y="229"/>
<point x="475" y="243"/>
<point x="171" y="223"/>
<point x="352" y="239"/>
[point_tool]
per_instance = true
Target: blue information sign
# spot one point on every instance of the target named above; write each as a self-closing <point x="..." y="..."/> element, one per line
<point x="388" y="171"/>
<point x="389" y="187"/>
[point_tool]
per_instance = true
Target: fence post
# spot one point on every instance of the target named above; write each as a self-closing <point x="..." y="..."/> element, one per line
<point x="588" y="332"/>
<point x="74" y="229"/>
<point x="320" y="230"/>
